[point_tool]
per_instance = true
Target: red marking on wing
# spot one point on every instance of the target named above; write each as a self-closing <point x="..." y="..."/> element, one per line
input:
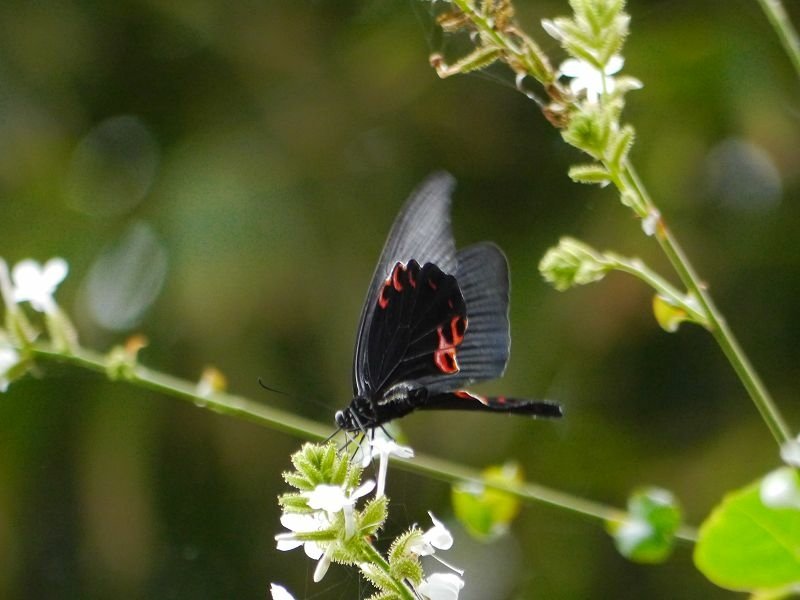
<point x="445" y="355"/>
<point x="470" y="396"/>
<point x="383" y="301"/>
<point x="396" y="283"/>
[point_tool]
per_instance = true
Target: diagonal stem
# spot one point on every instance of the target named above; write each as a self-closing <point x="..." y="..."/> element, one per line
<point x="780" y="22"/>
<point x="238" y="406"/>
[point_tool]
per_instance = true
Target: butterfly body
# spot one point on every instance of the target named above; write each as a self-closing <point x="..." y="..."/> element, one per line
<point x="434" y="320"/>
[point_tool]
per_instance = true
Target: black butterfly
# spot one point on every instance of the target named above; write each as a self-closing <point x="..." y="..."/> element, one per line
<point x="434" y="320"/>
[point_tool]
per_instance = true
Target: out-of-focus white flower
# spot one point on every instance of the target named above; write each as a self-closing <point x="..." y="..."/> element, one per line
<point x="37" y="283"/>
<point x="9" y="358"/>
<point x="631" y="533"/>
<point x="279" y="592"/>
<point x="333" y="498"/>
<point x="587" y="77"/>
<point x="790" y="452"/>
<point x="650" y="222"/>
<point x="779" y="489"/>
<point x="437" y="537"/>
<point x="441" y="586"/>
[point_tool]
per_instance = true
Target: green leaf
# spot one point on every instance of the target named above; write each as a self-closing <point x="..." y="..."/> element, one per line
<point x="486" y="513"/>
<point x="747" y="546"/>
<point x="647" y="535"/>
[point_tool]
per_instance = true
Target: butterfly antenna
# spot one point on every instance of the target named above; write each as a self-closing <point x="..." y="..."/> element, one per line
<point x="271" y="389"/>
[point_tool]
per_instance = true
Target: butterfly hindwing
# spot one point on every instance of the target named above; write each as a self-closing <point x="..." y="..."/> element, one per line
<point x="482" y="275"/>
<point x="464" y="400"/>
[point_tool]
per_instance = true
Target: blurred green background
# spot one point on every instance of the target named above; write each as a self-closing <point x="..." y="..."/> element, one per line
<point x="221" y="177"/>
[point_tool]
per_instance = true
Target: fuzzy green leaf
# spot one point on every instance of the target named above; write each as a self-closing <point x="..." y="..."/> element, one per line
<point x="747" y="546"/>
<point x="620" y="145"/>
<point x="591" y="174"/>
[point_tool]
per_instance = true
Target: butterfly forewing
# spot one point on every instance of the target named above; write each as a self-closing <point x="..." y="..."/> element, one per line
<point x="422" y="232"/>
<point x="417" y="327"/>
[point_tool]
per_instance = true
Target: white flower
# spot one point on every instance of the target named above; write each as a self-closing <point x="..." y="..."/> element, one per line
<point x="333" y="498"/>
<point x="9" y="358"/>
<point x="586" y="76"/>
<point x="36" y="284"/>
<point x="631" y="533"/>
<point x="302" y="523"/>
<point x="779" y="489"/>
<point x="383" y="447"/>
<point x="650" y="222"/>
<point x="790" y="452"/>
<point x="437" y="536"/>
<point x="279" y="592"/>
<point x="441" y="586"/>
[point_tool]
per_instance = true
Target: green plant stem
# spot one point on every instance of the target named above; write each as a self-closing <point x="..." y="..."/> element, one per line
<point x="717" y="324"/>
<point x="376" y="558"/>
<point x="638" y="269"/>
<point x="780" y="22"/>
<point x="238" y="406"/>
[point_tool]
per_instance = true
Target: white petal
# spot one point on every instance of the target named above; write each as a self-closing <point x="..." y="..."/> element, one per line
<point x="326" y="497"/>
<point x="302" y="523"/>
<point x="572" y="67"/>
<point x="313" y="550"/>
<point x="614" y="64"/>
<point x="279" y="592"/>
<point x="287" y="543"/>
<point x="441" y="586"/>
<point x="8" y="358"/>
<point x="779" y="489"/>
<point x="790" y="453"/>
<point x="322" y="566"/>
<point x="632" y="532"/>
<point x="54" y="272"/>
<point x="362" y="490"/>
<point x="552" y="29"/>
<point x="438" y="536"/>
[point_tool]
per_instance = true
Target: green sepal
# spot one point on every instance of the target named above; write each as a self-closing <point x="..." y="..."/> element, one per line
<point x="621" y="144"/>
<point x="594" y="173"/>
<point x="404" y="564"/>
<point x="373" y="515"/>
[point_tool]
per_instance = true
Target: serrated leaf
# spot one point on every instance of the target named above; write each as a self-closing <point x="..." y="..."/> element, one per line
<point x="747" y="546"/>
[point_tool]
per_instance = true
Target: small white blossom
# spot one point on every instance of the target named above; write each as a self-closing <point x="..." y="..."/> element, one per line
<point x="650" y="222"/>
<point x="437" y="536"/>
<point x="36" y="284"/>
<point x="441" y="586"/>
<point x="333" y="498"/>
<point x="779" y="489"/>
<point x="9" y="358"/>
<point x="631" y="533"/>
<point x="790" y="452"/>
<point x="586" y="76"/>
<point x="383" y="447"/>
<point x="279" y="592"/>
<point x="302" y="523"/>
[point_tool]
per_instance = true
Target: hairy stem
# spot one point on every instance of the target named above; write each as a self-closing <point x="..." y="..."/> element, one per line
<point x="376" y="558"/>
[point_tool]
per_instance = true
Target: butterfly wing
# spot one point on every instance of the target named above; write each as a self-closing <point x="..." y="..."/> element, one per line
<point x="421" y="231"/>
<point x="482" y="275"/>
<point x="464" y="400"/>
